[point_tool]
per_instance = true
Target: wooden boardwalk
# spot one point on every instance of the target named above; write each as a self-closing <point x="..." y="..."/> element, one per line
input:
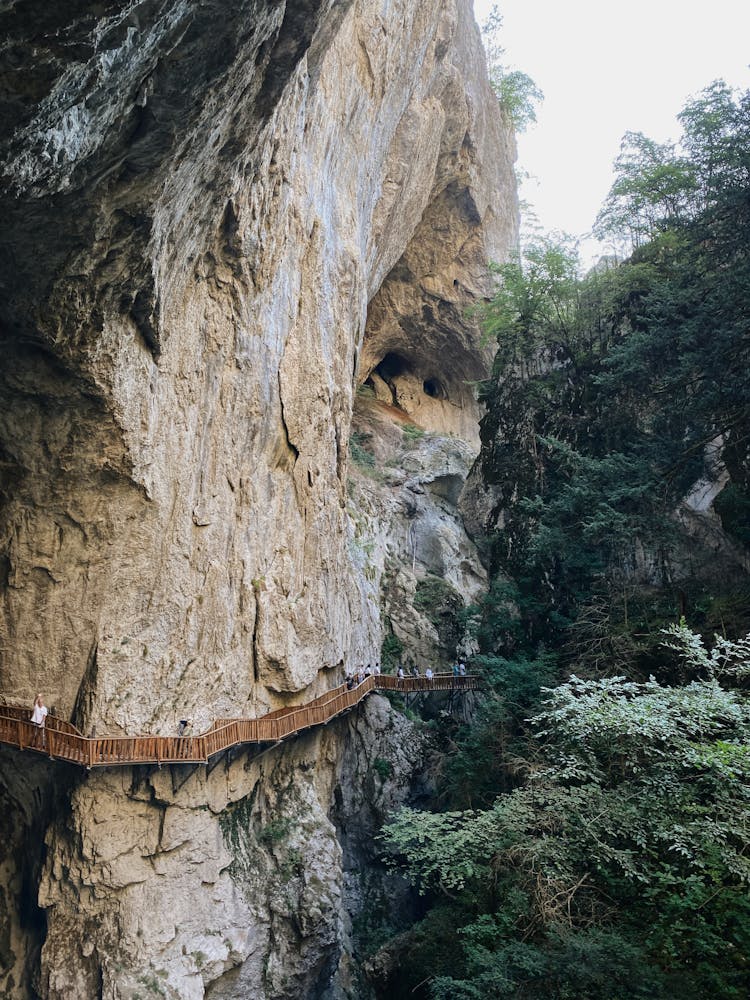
<point x="62" y="741"/>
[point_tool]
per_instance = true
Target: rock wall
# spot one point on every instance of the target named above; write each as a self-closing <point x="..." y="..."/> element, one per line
<point x="175" y="442"/>
<point x="182" y="884"/>
<point x="219" y="219"/>
<point x="409" y="538"/>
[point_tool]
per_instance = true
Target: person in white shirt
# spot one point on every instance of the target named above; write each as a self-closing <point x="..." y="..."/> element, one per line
<point x="429" y="675"/>
<point x="39" y="715"/>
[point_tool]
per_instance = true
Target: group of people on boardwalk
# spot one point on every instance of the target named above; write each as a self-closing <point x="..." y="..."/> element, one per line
<point x="352" y="680"/>
<point x="458" y="670"/>
<point x="358" y="676"/>
<point x="39" y="711"/>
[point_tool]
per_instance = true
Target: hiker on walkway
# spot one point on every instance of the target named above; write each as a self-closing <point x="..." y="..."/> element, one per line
<point x="414" y="670"/>
<point x="429" y="675"/>
<point x="400" y="676"/>
<point x="462" y="669"/>
<point x="39" y="716"/>
<point x="184" y="724"/>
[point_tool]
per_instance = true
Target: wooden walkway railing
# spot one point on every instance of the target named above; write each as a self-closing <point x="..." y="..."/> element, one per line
<point x="62" y="741"/>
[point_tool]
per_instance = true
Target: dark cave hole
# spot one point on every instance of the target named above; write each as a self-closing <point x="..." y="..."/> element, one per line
<point x="434" y="388"/>
<point x="392" y="366"/>
<point x="31" y="916"/>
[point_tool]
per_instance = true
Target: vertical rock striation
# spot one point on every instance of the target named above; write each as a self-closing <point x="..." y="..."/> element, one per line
<point x="218" y="219"/>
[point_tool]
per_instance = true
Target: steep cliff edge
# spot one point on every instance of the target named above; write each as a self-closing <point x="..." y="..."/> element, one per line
<point x="218" y="221"/>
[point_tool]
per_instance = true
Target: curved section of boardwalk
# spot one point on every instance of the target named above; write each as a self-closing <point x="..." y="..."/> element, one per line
<point x="63" y="741"/>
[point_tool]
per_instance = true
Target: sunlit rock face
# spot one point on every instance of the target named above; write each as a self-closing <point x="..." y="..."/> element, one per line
<point x="218" y="220"/>
<point x="201" y="202"/>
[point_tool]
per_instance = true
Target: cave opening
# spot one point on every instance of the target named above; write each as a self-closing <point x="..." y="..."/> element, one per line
<point x="434" y="387"/>
<point x="392" y="366"/>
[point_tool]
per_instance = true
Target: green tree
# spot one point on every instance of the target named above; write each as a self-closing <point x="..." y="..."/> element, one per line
<point x="619" y="868"/>
<point x="594" y="838"/>
<point x="653" y="190"/>
<point x="578" y="465"/>
<point x="611" y="393"/>
<point x="515" y="90"/>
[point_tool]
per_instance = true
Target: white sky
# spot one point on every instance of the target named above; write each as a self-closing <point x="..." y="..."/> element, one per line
<point x="608" y="67"/>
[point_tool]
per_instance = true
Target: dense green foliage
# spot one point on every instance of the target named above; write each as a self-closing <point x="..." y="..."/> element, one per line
<point x="618" y="868"/>
<point x="391" y="652"/>
<point x="590" y="839"/>
<point x="612" y="395"/>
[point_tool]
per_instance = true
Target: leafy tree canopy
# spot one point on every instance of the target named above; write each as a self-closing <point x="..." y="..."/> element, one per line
<point x="612" y="394"/>
<point x="624" y="850"/>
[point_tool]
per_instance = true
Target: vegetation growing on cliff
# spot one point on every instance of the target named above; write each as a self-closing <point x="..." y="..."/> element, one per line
<point x="515" y="90"/>
<point x="613" y="395"/>
<point x="592" y="831"/>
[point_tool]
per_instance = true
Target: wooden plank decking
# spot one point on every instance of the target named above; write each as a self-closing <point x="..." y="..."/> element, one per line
<point x="62" y="741"/>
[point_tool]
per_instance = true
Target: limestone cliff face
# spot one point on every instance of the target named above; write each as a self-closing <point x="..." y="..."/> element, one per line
<point x="219" y="220"/>
<point x="237" y="882"/>
<point x="198" y="221"/>
<point x="410" y="540"/>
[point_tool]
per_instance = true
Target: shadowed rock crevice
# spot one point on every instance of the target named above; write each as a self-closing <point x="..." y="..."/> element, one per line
<point x="32" y="793"/>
